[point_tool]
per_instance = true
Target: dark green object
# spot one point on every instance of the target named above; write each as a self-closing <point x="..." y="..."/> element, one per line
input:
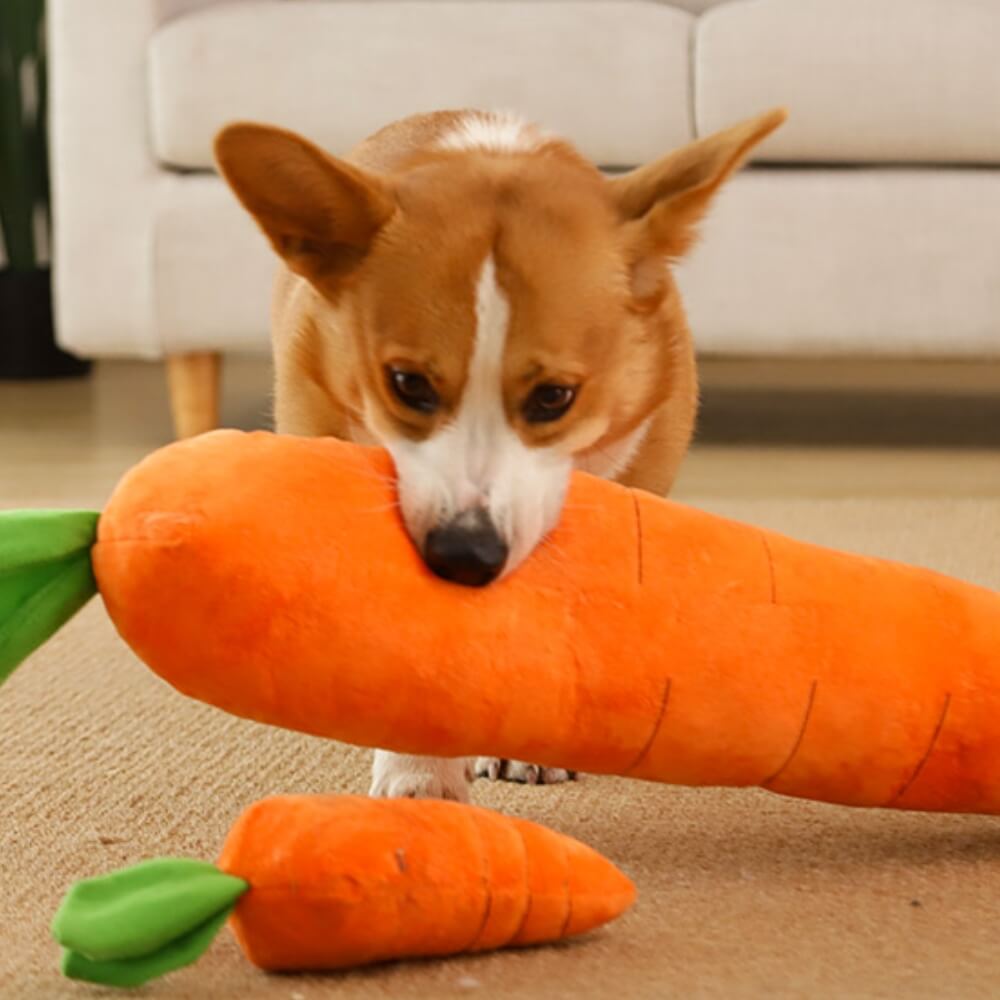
<point x="28" y="348"/>
<point x="27" y="338"/>
<point x="133" y="925"/>
<point x="45" y="576"/>
<point x="24" y="157"/>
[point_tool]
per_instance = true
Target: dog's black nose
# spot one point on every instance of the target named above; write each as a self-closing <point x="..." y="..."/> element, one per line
<point x="467" y="550"/>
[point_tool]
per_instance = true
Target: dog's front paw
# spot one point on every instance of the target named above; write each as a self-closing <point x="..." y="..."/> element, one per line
<point x="500" y="769"/>
<point x="396" y="776"/>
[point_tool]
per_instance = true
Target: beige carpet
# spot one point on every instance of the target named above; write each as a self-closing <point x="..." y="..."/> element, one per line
<point x="742" y="894"/>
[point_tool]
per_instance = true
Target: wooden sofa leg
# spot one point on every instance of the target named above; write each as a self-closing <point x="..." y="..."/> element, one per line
<point x="193" y="381"/>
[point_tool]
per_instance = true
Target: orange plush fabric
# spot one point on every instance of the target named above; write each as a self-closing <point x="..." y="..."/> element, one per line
<point x="271" y="576"/>
<point x="337" y="881"/>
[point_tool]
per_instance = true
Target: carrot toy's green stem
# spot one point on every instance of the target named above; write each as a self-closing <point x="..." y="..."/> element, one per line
<point x="136" y="924"/>
<point x="45" y="576"/>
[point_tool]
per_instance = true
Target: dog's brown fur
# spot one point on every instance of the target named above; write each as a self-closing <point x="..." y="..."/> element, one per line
<point x="380" y="250"/>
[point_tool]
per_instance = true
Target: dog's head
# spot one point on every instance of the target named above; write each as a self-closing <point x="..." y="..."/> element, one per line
<point x="512" y="308"/>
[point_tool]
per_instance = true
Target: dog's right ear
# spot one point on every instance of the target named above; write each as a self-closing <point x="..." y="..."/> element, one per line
<point x="662" y="203"/>
<point x="320" y="213"/>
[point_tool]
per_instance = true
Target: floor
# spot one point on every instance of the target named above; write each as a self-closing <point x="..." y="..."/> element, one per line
<point x="768" y="429"/>
<point x="742" y="894"/>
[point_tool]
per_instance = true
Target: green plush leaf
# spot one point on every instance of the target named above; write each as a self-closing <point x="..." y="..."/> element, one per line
<point x="45" y="577"/>
<point x="28" y="537"/>
<point x="138" y="911"/>
<point x="126" y="972"/>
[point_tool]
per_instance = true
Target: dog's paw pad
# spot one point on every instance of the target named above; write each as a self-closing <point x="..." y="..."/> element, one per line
<point x="501" y="769"/>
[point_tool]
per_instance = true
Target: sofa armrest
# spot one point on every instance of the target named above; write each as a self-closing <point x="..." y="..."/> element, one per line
<point x="105" y="183"/>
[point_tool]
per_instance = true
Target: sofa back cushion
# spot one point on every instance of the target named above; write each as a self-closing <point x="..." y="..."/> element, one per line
<point x="612" y="75"/>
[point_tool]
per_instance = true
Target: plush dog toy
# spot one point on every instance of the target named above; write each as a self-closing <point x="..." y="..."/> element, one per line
<point x="270" y="576"/>
<point x="326" y="882"/>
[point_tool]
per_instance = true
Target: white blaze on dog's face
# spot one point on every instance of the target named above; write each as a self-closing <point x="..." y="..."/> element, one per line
<point x="506" y="311"/>
<point x="476" y="460"/>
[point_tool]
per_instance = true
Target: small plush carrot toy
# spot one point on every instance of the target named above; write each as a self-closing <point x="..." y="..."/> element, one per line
<point x="319" y="883"/>
<point x="271" y="576"/>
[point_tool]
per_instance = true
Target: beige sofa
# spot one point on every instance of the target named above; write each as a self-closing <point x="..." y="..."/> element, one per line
<point x="869" y="225"/>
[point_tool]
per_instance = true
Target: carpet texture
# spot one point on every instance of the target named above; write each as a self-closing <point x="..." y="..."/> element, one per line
<point x="742" y="893"/>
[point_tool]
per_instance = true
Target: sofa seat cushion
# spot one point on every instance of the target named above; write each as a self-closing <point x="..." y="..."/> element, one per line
<point x="613" y="75"/>
<point x="893" y="80"/>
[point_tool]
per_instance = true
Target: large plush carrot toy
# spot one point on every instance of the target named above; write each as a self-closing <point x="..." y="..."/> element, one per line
<point x="270" y="576"/>
<point x="329" y="882"/>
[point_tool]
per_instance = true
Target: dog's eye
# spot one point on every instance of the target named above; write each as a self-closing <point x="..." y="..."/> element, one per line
<point x="548" y="402"/>
<point x="413" y="390"/>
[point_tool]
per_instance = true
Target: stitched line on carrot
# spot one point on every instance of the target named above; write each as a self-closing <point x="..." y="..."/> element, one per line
<point x="527" y="892"/>
<point x="487" y="876"/>
<point x="656" y="729"/>
<point x="568" y="897"/>
<point x="577" y="679"/>
<point x="798" y="739"/>
<point x="770" y="568"/>
<point x="638" y="534"/>
<point x="908" y="784"/>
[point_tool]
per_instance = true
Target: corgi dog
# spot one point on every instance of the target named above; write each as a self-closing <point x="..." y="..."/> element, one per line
<point x="472" y="294"/>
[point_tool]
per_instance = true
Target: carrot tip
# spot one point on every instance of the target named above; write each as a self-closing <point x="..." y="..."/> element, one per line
<point x="604" y="892"/>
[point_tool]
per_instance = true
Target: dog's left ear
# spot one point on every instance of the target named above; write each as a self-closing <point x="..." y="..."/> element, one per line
<point x="662" y="203"/>
<point x="321" y="214"/>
